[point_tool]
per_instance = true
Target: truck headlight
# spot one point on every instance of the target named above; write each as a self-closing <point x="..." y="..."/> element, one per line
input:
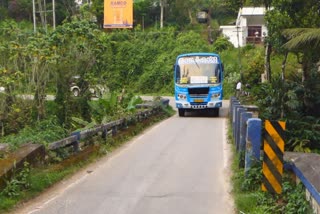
<point x="182" y="96"/>
<point x="215" y="96"/>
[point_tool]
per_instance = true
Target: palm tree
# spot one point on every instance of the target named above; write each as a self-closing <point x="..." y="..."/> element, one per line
<point x="302" y="38"/>
<point x="307" y="42"/>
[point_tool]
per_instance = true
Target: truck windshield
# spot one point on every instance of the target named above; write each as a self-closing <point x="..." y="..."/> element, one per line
<point x="198" y="70"/>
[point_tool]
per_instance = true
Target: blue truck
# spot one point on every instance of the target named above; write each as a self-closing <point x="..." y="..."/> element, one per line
<point x="198" y="79"/>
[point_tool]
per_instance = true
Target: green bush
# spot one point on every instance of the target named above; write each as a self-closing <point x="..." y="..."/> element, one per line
<point x="254" y="68"/>
<point x="42" y="132"/>
<point x="18" y="183"/>
<point x="17" y="116"/>
<point x="222" y="43"/>
<point x="250" y="199"/>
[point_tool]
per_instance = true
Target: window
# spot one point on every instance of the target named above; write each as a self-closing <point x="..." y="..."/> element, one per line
<point x="254" y="34"/>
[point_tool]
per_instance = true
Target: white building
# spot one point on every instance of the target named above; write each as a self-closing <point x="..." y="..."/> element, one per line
<point x="250" y="27"/>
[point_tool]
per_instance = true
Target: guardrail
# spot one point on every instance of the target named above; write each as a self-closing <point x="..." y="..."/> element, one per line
<point x="113" y="126"/>
<point x="247" y="134"/>
<point x="35" y="153"/>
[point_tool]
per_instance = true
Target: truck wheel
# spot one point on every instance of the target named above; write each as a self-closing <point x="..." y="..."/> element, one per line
<point x="216" y="112"/>
<point x="181" y="112"/>
<point x="76" y="92"/>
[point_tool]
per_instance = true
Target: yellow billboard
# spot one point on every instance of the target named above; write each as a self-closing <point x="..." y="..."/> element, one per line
<point x="118" y="14"/>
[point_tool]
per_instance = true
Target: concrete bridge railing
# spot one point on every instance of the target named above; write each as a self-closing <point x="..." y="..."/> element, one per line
<point x="247" y="134"/>
<point x="35" y="153"/>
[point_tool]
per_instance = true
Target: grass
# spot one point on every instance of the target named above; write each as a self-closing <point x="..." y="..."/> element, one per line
<point x="40" y="179"/>
<point x="43" y="177"/>
<point x="250" y="199"/>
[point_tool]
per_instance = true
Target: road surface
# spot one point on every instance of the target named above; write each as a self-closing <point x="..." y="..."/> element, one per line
<point x="179" y="166"/>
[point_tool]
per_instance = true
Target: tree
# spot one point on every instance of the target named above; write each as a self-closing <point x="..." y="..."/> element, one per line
<point x="307" y="42"/>
<point x="163" y="4"/>
<point x="145" y="13"/>
<point x="75" y="44"/>
<point x="289" y="14"/>
<point x="96" y="8"/>
<point x="268" y="46"/>
<point x="302" y="38"/>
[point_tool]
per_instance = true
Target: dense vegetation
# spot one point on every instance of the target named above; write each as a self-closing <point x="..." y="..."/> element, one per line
<point x="140" y="60"/>
<point x="249" y="198"/>
<point x="40" y="64"/>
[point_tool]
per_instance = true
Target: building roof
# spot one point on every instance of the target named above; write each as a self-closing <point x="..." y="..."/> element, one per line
<point x="252" y="11"/>
<point x="228" y="27"/>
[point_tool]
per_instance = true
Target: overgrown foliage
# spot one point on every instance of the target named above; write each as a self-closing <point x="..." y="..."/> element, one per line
<point x="42" y="132"/>
<point x="221" y="44"/>
<point x="18" y="183"/>
<point x="31" y="181"/>
<point x="140" y="61"/>
<point x="249" y="197"/>
<point x="285" y="100"/>
<point x="130" y="61"/>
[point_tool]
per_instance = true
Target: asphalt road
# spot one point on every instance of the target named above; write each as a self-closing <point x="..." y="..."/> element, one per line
<point x="179" y="166"/>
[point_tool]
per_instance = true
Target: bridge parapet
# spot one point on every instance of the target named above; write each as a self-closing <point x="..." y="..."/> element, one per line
<point x="305" y="166"/>
<point x="34" y="153"/>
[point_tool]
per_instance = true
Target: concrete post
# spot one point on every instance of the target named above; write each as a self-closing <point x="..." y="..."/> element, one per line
<point x="75" y="144"/>
<point x="114" y="131"/>
<point x="253" y="144"/>
<point x="104" y="134"/>
<point x="243" y="134"/>
<point x="232" y="101"/>
<point x="239" y="111"/>
<point x="233" y="104"/>
<point x="234" y="111"/>
<point x="254" y="109"/>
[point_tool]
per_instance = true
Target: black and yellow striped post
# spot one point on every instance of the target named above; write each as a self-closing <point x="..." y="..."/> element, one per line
<point x="272" y="167"/>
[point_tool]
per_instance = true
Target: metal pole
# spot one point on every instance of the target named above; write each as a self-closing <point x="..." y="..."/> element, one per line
<point x="239" y="49"/>
<point x="161" y="13"/>
<point x="45" y="14"/>
<point x="34" y="16"/>
<point x="239" y="53"/>
<point x="53" y="14"/>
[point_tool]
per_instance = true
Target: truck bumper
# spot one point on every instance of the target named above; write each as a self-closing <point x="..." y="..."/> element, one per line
<point x="188" y="105"/>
